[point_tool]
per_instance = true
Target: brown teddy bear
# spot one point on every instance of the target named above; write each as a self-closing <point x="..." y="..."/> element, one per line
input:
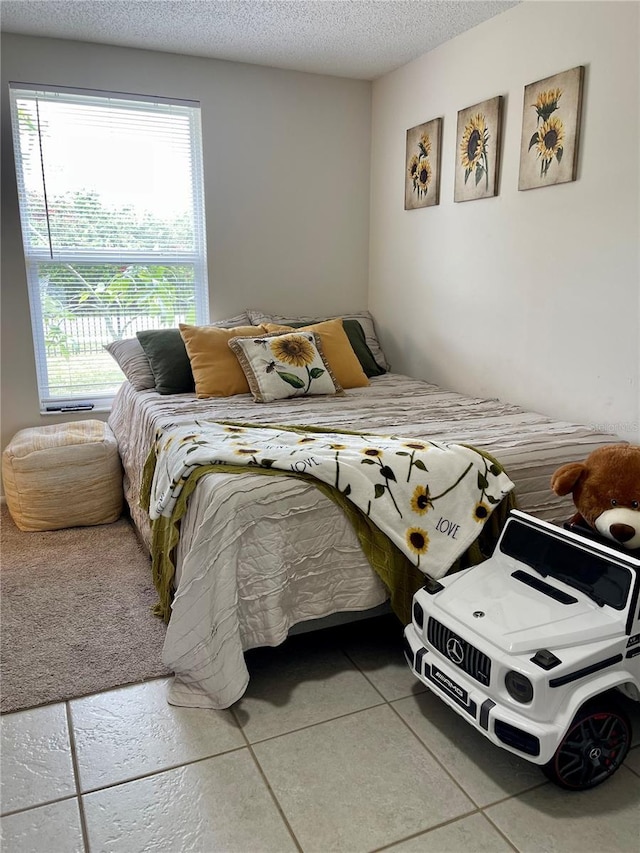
<point x="606" y="492"/>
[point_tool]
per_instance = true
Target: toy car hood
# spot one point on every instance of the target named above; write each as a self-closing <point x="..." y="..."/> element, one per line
<point x="517" y="618"/>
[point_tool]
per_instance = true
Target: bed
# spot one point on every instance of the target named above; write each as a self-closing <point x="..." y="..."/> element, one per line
<point x="258" y="557"/>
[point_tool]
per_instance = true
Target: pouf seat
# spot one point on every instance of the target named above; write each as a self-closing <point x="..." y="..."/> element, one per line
<point x="65" y="475"/>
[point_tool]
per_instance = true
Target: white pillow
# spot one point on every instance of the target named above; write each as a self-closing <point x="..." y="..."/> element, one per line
<point x="281" y="366"/>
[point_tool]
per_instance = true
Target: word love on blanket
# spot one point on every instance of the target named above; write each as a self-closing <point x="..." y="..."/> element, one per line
<point x="430" y="498"/>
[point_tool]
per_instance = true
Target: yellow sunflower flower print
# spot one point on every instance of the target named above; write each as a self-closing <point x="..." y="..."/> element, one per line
<point x="294" y="350"/>
<point x="419" y="168"/>
<point x="548" y="142"/>
<point x="246" y="451"/>
<point x="424" y="175"/>
<point x="418" y="541"/>
<point x="416" y="445"/>
<point x="373" y="452"/>
<point x="473" y="141"/>
<point x="473" y="149"/>
<point x="412" y="168"/>
<point x="425" y="145"/>
<point x="550" y="138"/>
<point x="547" y="103"/>
<point x="420" y="501"/>
<point x="338" y="446"/>
<point x="184" y="440"/>
<point x="306" y="440"/>
<point x="480" y="511"/>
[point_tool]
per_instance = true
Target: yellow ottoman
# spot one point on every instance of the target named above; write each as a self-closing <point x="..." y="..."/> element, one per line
<point x="65" y="475"/>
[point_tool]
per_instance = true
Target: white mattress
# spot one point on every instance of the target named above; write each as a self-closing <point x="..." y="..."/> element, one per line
<point x="258" y="555"/>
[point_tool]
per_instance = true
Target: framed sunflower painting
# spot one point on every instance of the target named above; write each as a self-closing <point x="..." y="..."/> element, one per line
<point x="550" y="128"/>
<point x="478" y="150"/>
<point x="422" y="167"/>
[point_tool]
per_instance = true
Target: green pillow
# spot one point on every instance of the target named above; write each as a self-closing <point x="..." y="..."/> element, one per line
<point x="169" y="361"/>
<point x="355" y="333"/>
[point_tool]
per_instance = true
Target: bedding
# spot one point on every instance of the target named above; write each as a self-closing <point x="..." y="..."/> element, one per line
<point x="258" y="555"/>
<point x="337" y="348"/>
<point x="364" y="318"/>
<point x="285" y="366"/>
<point x="216" y="370"/>
<point x="168" y="358"/>
<point x="133" y="362"/>
<point x="136" y="365"/>
<point x="387" y="485"/>
<point x="358" y="342"/>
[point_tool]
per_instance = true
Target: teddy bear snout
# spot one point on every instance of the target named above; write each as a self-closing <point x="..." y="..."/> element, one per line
<point x="621" y="524"/>
<point x="622" y="532"/>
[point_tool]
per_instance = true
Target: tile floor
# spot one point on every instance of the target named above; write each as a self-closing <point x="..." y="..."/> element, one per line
<point x="335" y="747"/>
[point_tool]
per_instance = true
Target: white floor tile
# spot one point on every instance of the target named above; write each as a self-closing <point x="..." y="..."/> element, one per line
<point x="132" y="731"/>
<point x="357" y="783"/>
<point x="298" y="685"/>
<point x="633" y="760"/>
<point x="486" y="772"/>
<point x="220" y="804"/>
<point x="377" y="651"/>
<point x="473" y="834"/>
<point x="605" y="819"/>
<point x="36" y="758"/>
<point x="47" y="829"/>
<point x="633" y="710"/>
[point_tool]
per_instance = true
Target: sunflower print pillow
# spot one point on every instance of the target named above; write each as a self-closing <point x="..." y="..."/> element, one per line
<point x="283" y="366"/>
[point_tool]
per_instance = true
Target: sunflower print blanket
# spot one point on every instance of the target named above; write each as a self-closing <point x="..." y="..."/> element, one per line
<point x="431" y="499"/>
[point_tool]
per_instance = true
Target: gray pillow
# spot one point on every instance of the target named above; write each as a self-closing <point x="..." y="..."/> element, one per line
<point x="133" y="362"/>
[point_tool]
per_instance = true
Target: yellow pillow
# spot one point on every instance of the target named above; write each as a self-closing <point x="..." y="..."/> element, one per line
<point x="215" y="368"/>
<point x="337" y="350"/>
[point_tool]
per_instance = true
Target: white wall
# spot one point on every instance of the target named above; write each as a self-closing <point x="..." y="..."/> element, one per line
<point x="531" y="297"/>
<point x="286" y="163"/>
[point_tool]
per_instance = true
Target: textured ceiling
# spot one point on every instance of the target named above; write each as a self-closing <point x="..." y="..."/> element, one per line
<point x="363" y="39"/>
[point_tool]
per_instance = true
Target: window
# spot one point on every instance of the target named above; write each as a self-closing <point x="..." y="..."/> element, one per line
<point x="111" y="202"/>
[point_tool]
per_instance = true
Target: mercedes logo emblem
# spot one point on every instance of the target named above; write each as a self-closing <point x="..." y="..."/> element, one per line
<point x="595" y="753"/>
<point x="455" y="650"/>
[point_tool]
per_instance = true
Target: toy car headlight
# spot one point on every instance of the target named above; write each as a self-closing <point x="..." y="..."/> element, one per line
<point x="418" y="614"/>
<point x="518" y="686"/>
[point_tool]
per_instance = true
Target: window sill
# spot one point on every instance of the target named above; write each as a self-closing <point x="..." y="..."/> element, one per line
<point x="71" y="411"/>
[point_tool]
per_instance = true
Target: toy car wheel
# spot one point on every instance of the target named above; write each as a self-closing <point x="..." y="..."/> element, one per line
<point x="592" y="750"/>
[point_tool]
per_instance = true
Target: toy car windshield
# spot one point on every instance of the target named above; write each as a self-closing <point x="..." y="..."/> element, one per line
<point x="598" y="576"/>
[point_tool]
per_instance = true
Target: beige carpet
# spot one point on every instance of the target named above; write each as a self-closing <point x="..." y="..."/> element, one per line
<point x="75" y="613"/>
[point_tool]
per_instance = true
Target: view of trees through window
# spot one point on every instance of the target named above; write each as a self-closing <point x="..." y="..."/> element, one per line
<point x="86" y="305"/>
<point x="112" y="215"/>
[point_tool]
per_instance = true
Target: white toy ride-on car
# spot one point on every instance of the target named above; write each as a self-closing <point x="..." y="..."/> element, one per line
<point x="533" y="647"/>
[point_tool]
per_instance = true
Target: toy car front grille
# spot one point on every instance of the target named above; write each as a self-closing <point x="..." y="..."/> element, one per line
<point x="474" y="662"/>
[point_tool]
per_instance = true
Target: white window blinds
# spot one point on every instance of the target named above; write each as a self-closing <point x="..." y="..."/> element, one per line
<point x="111" y="200"/>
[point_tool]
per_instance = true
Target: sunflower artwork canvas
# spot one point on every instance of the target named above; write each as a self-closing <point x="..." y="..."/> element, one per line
<point x="550" y="129"/>
<point x="422" y="167"/>
<point x="477" y="150"/>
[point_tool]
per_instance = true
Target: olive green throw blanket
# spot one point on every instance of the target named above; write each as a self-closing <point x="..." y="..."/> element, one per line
<point x="400" y="576"/>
